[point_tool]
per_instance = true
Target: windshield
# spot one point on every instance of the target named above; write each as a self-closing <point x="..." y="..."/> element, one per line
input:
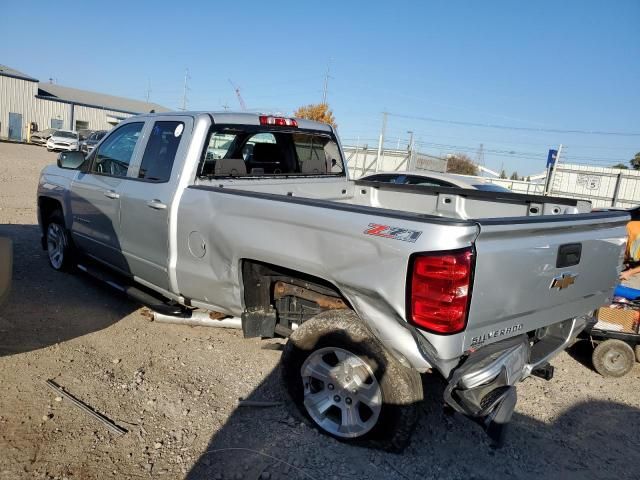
<point x="63" y="134"/>
<point x="490" y="187"/>
<point x="245" y="150"/>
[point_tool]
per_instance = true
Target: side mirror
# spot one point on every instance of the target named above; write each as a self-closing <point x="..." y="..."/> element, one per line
<point x="71" y="160"/>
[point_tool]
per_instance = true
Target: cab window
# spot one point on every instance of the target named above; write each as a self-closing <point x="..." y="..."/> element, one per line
<point x="115" y="153"/>
<point x="160" y="152"/>
<point x="237" y="151"/>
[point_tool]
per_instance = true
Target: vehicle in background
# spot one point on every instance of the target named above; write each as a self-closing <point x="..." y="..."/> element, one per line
<point x="84" y="133"/>
<point x="615" y="335"/>
<point x="63" y="140"/>
<point x="40" y="138"/>
<point x="6" y="261"/>
<point x="434" y="179"/>
<point x="87" y="145"/>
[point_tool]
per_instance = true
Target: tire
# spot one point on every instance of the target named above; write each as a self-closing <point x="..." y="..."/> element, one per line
<point x="613" y="358"/>
<point x="637" y="349"/>
<point x="385" y="395"/>
<point x="59" y="248"/>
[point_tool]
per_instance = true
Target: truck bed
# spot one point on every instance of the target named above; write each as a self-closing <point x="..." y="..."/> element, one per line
<point x="447" y="202"/>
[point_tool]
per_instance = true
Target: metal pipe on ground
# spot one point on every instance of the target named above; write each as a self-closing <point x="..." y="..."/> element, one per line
<point x="199" y="319"/>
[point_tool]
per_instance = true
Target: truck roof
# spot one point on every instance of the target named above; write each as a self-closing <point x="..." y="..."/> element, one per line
<point x="244" y="118"/>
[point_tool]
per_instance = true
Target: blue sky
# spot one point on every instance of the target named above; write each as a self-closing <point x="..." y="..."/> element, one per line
<point x="568" y="65"/>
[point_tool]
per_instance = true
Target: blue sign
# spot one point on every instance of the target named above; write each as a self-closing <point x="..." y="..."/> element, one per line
<point x="551" y="158"/>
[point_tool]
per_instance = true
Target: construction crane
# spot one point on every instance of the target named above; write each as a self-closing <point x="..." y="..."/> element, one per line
<point x="240" y="100"/>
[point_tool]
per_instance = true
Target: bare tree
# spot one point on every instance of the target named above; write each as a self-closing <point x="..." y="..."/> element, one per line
<point x="462" y="164"/>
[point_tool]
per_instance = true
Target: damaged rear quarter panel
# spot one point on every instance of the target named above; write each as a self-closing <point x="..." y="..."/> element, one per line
<point x="329" y="243"/>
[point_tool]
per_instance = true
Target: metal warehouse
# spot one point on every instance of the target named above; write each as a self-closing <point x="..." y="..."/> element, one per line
<point x="27" y="103"/>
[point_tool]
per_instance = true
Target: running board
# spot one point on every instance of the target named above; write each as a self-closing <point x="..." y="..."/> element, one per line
<point x="153" y="302"/>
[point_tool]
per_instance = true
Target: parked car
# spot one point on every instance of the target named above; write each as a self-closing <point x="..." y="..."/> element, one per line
<point x="434" y="179"/>
<point x="372" y="282"/>
<point x="40" y="138"/>
<point x="84" y="133"/>
<point x="87" y="145"/>
<point x="63" y="140"/>
<point x="6" y="265"/>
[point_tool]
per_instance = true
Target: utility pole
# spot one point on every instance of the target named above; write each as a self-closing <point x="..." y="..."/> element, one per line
<point x="381" y="140"/>
<point x="325" y="89"/>
<point x="148" y="90"/>
<point x="410" y="147"/>
<point x="187" y="77"/>
<point x="480" y="155"/>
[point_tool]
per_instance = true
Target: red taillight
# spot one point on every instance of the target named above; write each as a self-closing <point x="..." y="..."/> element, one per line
<point x="278" y="121"/>
<point x="440" y="287"/>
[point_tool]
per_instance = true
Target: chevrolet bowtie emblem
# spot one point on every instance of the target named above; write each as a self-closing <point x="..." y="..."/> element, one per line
<point x="563" y="281"/>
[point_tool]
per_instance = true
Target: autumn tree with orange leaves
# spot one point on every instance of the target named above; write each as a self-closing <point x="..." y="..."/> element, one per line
<point x="319" y="112"/>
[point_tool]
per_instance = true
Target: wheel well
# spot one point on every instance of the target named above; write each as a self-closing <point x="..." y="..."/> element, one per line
<point x="292" y="297"/>
<point x="46" y="207"/>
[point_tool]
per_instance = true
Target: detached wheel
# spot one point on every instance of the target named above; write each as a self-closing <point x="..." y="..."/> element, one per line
<point x="613" y="358"/>
<point x="59" y="247"/>
<point x="342" y="379"/>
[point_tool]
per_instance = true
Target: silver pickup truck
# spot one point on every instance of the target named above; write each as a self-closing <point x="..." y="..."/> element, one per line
<point x="255" y="217"/>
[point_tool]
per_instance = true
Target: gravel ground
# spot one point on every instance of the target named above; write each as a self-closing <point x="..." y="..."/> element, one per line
<point x="176" y="390"/>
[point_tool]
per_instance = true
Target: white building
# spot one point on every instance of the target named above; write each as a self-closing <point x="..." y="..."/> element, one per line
<point x="23" y="100"/>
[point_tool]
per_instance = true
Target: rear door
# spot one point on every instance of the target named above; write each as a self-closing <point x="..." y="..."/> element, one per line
<point x="95" y="195"/>
<point x="146" y="202"/>
<point x="532" y="272"/>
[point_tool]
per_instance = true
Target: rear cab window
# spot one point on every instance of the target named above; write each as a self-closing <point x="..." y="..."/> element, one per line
<point x="268" y="151"/>
<point x="160" y="151"/>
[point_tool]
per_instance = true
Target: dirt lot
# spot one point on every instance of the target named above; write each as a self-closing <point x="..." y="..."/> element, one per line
<point x="176" y="389"/>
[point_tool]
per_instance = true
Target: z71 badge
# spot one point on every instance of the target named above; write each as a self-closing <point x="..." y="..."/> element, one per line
<point x="394" y="233"/>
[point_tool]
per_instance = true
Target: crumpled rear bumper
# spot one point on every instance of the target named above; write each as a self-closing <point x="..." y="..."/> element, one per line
<point x="483" y="386"/>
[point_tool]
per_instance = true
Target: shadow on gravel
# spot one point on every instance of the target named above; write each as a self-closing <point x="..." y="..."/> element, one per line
<point x="586" y="441"/>
<point x="47" y="307"/>
<point x="581" y="351"/>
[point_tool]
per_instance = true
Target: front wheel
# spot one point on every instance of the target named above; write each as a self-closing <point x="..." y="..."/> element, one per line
<point x="342" y="379"/>
<point x="59" y="249"/>
<point x="613" y="358"/>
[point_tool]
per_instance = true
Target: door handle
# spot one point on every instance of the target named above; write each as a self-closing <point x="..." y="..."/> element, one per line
<point x="156" y="204"/>
<point x="111" y="194"/>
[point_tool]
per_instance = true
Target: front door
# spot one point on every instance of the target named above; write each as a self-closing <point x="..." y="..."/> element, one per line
<point x="95" y="196"/>
<point x="147" y="203"/>
<point x="15" y="126"/>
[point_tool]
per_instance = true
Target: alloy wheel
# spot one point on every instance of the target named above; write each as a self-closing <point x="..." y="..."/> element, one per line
<point x="341" y="392"/>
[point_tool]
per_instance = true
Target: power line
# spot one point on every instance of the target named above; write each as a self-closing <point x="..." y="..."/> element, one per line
<point x="511" y="127"/>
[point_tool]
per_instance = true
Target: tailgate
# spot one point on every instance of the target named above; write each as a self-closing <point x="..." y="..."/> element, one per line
<point x="536" y="271"/>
